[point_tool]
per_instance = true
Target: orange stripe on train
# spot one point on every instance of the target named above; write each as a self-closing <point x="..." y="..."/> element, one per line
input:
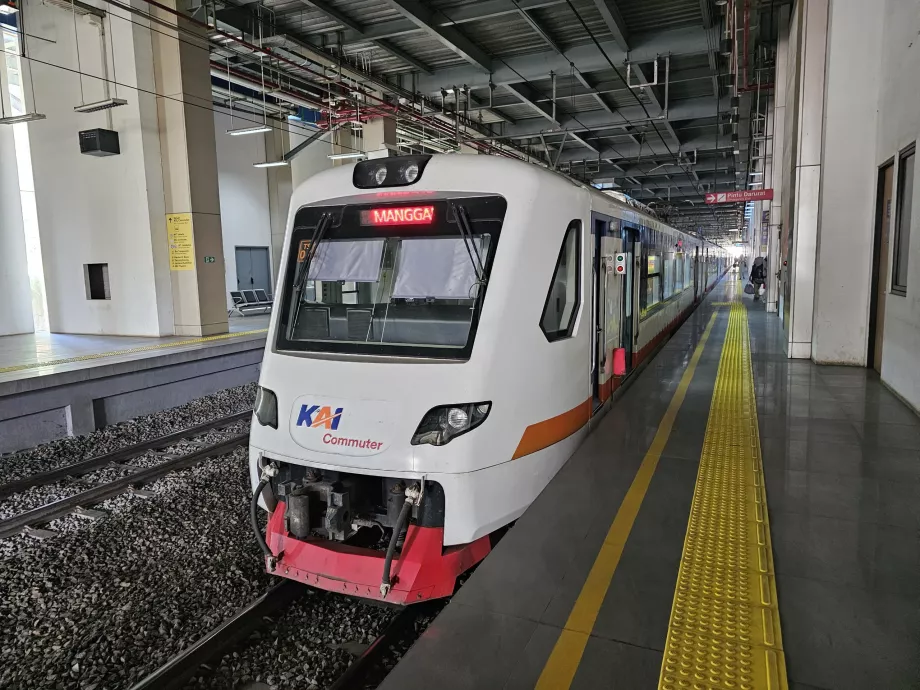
<point x="544" y="434"/>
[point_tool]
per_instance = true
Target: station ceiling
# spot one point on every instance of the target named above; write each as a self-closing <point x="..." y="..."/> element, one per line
<point x="633" y="95"/>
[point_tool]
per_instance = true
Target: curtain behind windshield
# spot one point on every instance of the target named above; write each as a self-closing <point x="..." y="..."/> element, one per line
<point x="393" y="289"/>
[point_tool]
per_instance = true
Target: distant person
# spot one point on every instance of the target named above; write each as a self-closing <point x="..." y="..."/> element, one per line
<point x="758" y="276"/>
<point x="744" y="273"/>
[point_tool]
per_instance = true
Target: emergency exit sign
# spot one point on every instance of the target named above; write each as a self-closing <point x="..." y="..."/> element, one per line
<point x="734" y="197"/>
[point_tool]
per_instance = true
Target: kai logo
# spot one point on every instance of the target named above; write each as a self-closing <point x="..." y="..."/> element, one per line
<point x="316" y="416"/>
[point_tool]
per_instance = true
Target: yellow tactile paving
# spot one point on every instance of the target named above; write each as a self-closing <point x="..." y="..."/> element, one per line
<point x="131" y="351"/>
<point x="724" y="632"/>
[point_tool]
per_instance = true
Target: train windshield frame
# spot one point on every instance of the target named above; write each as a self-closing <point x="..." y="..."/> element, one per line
<point x="406" y="278"/>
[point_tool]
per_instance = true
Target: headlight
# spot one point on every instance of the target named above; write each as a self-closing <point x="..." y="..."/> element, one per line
<point x="441" y="424"/>
<point x="395" y="171"/>
<point x="266" y="408"/>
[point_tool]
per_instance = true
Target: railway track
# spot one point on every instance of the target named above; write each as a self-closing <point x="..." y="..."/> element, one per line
<point x="81" y="503"/>
<point x="365" y="669"/>
<point x="78" y="469"/>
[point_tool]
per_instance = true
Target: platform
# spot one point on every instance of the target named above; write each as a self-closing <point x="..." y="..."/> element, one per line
<point x="583" y="591"/>
<point x="56" y="385"/>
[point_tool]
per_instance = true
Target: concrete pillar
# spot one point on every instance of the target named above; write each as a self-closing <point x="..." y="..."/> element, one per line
<point x="277" y="143"/>
<point x="187" y="147"/>
<point x="810" y="21"/>
<point x="16" y="313"/>
<point x="380" y="137"/>
<point x="93" y="210"/>
<point x="843" y="267"/>
<point x="773" y="177"/>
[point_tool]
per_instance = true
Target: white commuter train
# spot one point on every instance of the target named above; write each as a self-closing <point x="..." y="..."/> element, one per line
<point x="445" y="329"/>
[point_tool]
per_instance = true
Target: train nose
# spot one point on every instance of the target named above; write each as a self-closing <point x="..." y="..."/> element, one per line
<point x="343" y="427"/>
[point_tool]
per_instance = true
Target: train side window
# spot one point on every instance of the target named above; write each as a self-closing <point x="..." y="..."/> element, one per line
<point x="562" y="299"/>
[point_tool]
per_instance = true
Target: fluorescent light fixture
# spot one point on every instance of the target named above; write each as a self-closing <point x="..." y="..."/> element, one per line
<point x="7" y="9"/>
<point x="270" y="164"/>
<point x="755" y="174"/>
<point x="16" y="119"/>
<point x="100" y="105"/>
<point x="258" y="129"/>
<point x="343" y="156"/>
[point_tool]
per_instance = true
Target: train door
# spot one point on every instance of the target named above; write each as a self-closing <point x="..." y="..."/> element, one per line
<point x="883" y="202"/>
<point x="629" y="328"/>
<point x="598" y="300"/>
<point x="696" y="274"/>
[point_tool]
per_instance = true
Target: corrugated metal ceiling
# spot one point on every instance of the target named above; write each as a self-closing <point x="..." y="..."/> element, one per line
<point x="643" y="16"/>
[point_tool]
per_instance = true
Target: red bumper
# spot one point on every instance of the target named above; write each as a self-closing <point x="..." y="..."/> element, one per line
<point x="424" y="569"/>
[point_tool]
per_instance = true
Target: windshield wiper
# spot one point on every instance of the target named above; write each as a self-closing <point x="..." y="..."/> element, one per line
<point x="466" y="232"/>
<point x="325" y="220"/>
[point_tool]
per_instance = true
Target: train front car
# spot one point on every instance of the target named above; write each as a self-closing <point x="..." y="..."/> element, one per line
<point x="394" y="387"/>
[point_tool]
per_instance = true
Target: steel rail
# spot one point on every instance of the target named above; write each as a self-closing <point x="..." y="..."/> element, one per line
<point x="97" y="494"/>
<point x="366" y="670"/>
<point x="182" y="667"/>
<point x="128" y="452"/>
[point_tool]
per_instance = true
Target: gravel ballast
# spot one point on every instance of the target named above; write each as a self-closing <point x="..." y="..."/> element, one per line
<point x="73" y="449"/>
<point x="307" y="649"/>
<point x="107" y="601"/>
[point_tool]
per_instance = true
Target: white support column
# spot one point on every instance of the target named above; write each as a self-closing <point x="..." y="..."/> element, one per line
<point x="16" y="314"/>
<point x="188" y="150"/>
<point x="848" y="184"/>
<point x="812" y="17"/>
<point x="776" y="121"/>
<point x="98" y="210"/>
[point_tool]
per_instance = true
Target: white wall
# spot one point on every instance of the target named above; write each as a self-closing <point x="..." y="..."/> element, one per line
<point x="844" y="251"/>
<point x="899" y="126"/>
<point x="16" y="313"/>
<point x="91" y="209"/>
<point x="244" y="210"/>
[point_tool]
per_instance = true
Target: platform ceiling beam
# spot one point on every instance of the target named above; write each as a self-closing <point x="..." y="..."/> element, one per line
<point x="614" y="21"/>
<point x="598" y="120"/>
<point x="424" y="18"/>
<point x="359" y="29"/>
<point x="525" y="95"/>
<point x="586" y="58"/>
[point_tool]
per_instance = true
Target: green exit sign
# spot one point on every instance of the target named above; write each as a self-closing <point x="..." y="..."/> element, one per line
<point x="209" y="259"/>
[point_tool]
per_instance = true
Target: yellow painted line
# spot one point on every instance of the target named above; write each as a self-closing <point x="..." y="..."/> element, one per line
<point x="724" y="630"/>
<point x="131" y="351"/>
<point x="566" y="655"/>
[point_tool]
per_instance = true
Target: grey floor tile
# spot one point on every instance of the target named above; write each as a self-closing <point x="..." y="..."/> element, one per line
<point x="889" y="435"/>
<point x="881" y="413"/>
<point x="617" y="666"/>
<point x="896" y="464"/>
<point x="463" y="649"/>
<point x="847" y="497"/>
<point x="868" y="556"/>
<point x="527" y="668"/>
<point x="848" y="639"/>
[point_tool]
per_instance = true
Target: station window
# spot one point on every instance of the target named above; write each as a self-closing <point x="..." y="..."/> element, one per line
<point x="558" y="320"/>
<point x="96" y="277"/>
<point x="902" y="221"/>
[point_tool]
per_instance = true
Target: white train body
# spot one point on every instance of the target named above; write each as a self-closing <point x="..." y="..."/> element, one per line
<point x="354" y="413"/>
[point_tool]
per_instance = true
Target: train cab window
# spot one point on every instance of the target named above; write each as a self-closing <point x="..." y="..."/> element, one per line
<point x="403" y="278"/>
<point x="562" y="300"/>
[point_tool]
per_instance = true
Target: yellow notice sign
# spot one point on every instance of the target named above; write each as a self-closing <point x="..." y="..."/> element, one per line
<point x="181" y="241"/>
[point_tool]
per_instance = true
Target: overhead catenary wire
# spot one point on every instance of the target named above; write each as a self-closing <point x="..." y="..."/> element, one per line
<point x="590" y="33"/>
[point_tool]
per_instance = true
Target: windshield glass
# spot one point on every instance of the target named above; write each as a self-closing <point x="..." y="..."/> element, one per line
<point x="404" y="278"/>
